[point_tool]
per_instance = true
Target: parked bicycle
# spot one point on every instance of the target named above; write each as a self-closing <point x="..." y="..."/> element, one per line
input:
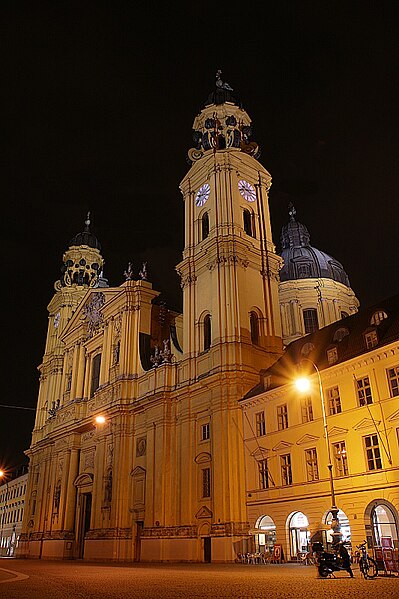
<point x="368" y="566"/>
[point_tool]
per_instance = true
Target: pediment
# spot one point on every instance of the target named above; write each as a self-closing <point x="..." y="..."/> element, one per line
<point x="393" y="416"/>
<point x="366" y="423"/>
<point x="204" y="512"/>
<point x="138" y="471"/>
<point x="337" y="430"/>
<point x="84" y="480"/>
<point x="282" y="445"/>
<point x="307" y="439"/>
<point x="260" y="453"/>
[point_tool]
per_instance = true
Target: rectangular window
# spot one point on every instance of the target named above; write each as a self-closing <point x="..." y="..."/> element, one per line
<point x="95" y="374"/>
<point x="340" y="459"/>
<point x="282" y="417"/>
<point x="310" y="320"/>
<point x="364" y="391"/>
<point x="334" y="401"/>
<point x="206" y="482"/>
<point x="332" y="355"/>
<point x="393" y="379"/>
<point x="286" y="472"/>
<point x="371" y="339"/>
<point x="312" y="469"/>
<point x="263" y="474"/>
<point x="373" y="454"/>
<point x="260" y="424"/>
<point x="307" y="410"/>
<point x="205" y="431"/>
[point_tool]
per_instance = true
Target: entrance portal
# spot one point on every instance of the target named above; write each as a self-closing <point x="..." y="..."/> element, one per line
<point x="207" y="550"/>
<point x="384" y="526"/>
<point x="299" y="534"/>
<point x="266" y="537"/>
<point x="85" y="500"/>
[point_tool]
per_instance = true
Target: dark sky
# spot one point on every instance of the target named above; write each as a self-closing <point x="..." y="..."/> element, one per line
<point x="98" y="101"/>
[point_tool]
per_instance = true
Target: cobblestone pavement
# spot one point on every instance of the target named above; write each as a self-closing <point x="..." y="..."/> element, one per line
<point x="33" y="579"/>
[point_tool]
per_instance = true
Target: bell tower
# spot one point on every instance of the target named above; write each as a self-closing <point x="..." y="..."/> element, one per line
<point x="229" y="271"/>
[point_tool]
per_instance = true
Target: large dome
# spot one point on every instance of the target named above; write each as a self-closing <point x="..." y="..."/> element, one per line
<point x="301" y="260"/>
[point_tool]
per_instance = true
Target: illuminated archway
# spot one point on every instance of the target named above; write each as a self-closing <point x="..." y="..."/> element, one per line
<point x="299" y="533"/>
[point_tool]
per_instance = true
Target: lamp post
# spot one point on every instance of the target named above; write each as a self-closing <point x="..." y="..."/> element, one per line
<point x="303" y="384"/>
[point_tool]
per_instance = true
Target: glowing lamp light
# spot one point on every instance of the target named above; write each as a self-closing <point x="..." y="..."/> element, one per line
<point x="302" y="384"/>
<point x="2" y="473"/>
<point x="100" y="419"/>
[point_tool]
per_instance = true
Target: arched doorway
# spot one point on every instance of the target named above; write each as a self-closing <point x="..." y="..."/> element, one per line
<point x="299" y="534"/>
<point x="384" y="523"/>
<point x="344" y="524"/>
<point x="266" y="535"/>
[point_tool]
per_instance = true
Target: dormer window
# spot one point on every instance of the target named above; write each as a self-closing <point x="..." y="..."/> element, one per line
<point x="306" y="350"/>
<point x="378" y="317"/>
<point x="332" y="355"/>
<point x="371" y="339"/>
<point x="303" y="271"/>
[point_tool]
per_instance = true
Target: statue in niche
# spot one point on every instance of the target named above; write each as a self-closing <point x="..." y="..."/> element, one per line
<point x="108" y="488"/>
<point x="57" y="498"/>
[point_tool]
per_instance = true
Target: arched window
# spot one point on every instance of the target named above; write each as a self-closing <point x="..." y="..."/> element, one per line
<point x="378" y="317"/>
<point x="207" y="332"/>
<point x="205" y="225"/>
<point x="254" y="324"/>
<point x="248" y="223"/>
<point x="95" y="374"/>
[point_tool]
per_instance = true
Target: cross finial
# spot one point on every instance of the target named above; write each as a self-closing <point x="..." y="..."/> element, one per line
<point x="291" y="210"/>
<point x="87" y="221"/>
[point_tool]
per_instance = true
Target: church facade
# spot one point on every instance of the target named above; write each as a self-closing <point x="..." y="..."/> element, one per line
<point x="138" y="448"/>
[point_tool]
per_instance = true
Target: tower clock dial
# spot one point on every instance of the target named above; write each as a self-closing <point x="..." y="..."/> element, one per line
<point x="247" y="190"/>
<point x="202" y="194"/>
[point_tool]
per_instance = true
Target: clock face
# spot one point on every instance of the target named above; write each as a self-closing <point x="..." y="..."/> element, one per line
<point x="202" y="194"/>
<point x="247" y="191"/>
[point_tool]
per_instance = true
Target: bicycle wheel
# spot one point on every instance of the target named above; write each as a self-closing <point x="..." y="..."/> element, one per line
<point x="372" y="570"/>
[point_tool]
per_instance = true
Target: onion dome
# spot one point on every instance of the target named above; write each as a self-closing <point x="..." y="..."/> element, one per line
<point x="82" y="262"/>
<point x="301" y="260"/>
<point x="222" y="124"/>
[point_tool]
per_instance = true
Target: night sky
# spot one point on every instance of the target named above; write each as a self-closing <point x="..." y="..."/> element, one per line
<point x="98" y="101"/>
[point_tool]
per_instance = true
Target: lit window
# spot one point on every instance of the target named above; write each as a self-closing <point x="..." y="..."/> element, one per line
<point x="263" y="474"/>
<point x="205" y="432"/>
<point x="373" y="454"/>
<point x="286" y="471"/>
<point x="364" y="391"/>
<point x="260" y="424"/>
<point x="206" y="482"/>
<point x="371" y="339"/>
<point x="393" y="378"/>
<point x="334" y="401"/>
<point x="332" y="355"/>
<point x="340" y="459"/>
<point x="306" y="409"/>
<point x="312" y="470"/>
<point x="378" y="317"/>
<point x="282" y="417"/>
<point x="310" y="320"/>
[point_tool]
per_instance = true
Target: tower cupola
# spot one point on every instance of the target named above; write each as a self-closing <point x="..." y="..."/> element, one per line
<point x="82" y="262"/>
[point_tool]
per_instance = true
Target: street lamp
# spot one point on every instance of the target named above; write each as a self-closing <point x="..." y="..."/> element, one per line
<point x="303" y="384"/>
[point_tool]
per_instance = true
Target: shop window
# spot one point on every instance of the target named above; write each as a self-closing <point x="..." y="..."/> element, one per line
<point x="340" y="459"/>
<point x="254" y="325"/>
<point x="205" y="225"/>
<point x="373" y="454"/>
<point x="312" y="470"/>
<point x="384" y="526"/>
<point x="363" y="388"/>
<point x="334" y="401"/>
<point x="393" y="380"/>
<point x="299" y="534"/>
<point x="286" y="471"/>
<point x="306" y="409"/>
<point x="260" y="424"/>
<point x="282" y="417"/>
<point x="310" y="320"/>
